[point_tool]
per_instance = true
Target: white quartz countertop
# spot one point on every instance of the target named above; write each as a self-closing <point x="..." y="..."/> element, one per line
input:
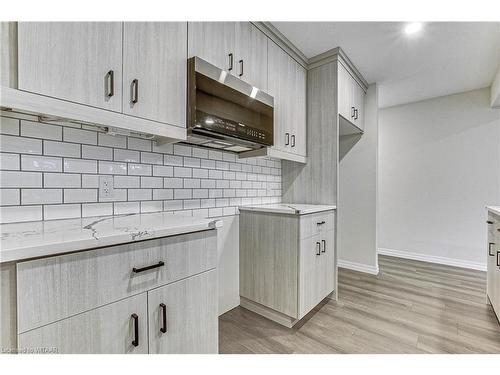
<point x="42" y="238"/>
<point x="290" y="209"/>
<point x="494" y="209"/>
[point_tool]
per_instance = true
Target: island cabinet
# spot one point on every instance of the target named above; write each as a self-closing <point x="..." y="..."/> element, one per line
<point x="493" y="273"/>
<point x="156" y="296"/>
<point x="287" y="262"/>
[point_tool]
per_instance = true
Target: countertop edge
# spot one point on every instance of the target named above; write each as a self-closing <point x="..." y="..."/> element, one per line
<point x="494" y="209"/>
<point x="54" y="249"/>
<point x="284" y="211"/>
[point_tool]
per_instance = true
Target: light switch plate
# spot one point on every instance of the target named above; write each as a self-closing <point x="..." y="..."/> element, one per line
<point x="106" y="190"/>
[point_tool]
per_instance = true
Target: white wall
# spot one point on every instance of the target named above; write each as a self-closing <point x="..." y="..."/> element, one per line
<point x="439" y="165"/>
<point x="357" y="233"/>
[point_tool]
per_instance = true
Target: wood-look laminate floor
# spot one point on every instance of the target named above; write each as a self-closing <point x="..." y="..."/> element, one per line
<point x="410" y="307"/>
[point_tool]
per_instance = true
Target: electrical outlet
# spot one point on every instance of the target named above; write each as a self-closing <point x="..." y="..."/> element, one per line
<point x="106" y="190"/>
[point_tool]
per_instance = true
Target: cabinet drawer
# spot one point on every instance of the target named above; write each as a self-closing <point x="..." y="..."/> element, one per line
<point x="107" y="330"/>
<point x="313" y="224"/>
<point x="54" y="288"/>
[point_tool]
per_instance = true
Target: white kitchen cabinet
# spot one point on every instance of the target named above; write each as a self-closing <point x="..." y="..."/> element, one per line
<point x="351" y="98"/>
<point x="493" y="256"/>
<point x="287" y="83"/>
<point x="251" y="55"/>
<point x="154" y="71"/>
<point x="75" y="61"/>
<point x="214" y="42"/>
<point x="117" y="328"/>
<point x="287" y="262"/>
<point x="183" y="316"/>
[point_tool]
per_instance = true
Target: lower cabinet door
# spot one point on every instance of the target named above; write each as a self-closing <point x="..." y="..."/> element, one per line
<point x="183" y="316"/>
<point x="328" y="249"/>
<point x="117" y="328"/>
<point x="311" y="274"/>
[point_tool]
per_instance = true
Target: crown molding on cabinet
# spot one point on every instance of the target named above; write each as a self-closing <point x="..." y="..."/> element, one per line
<point x="277" y="37"/>
<point x="335" y="54"/>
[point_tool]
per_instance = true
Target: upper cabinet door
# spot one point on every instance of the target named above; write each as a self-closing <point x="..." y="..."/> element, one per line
<point x="279" y="86"/>
<point x="251" y="55"/>
<point x="183" y="316"/>
<point x="76" y="61"/>
<point x="300" y="116"/>
<point x="345" y="92"/>
<point x="155" y="71"/>
<point x="359" y="104"/>
<point x="214" y="42"/>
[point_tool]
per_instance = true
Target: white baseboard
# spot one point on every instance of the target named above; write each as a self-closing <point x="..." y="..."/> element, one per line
<point x="433" y="259"/>
<point x="358" y="267"/>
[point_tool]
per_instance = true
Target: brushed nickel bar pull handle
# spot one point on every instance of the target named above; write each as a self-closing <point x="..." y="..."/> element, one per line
<point x="353" y="112"/>
<point x="231" y="61"/>
<point x="137" y="270"/>
<point x="287" y="139"/>
<point x="324" y="246"/>
<point x="356" y="114"/>
<point x="110" y="84"/>
<point x="489" y="249"/>
<point x="318" y="248"/>
<point x="134" y="95"/>
<point x="163" y="307"/>
<point x="489" y="222"/>
<point x="498" y="258"/>
<point x="293" y="140"/>
<point x="321" y="222"/>
<point x="135" y="341"/>
<point x="241" y="68"/>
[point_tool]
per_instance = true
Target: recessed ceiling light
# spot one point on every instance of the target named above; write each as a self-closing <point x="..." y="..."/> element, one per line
<point x="413" y="27"/>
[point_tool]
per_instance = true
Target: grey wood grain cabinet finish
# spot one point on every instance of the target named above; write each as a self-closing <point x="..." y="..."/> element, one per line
<point x="189" y="307"/>
<point x="287" y="83"/>
<point x="287" y="263"/>
<point x="251" y="55"/>
<point x="351" y="98"/>
<point x="214" y="42"/>
<point x="154" y="71"/>
<point x="108" y="329"/>
<point x="75" y="61"/>
<point x="52" y="288"/>
<point x="493" y="261"/>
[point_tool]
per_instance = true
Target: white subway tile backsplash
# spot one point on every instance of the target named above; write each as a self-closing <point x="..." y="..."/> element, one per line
<point x="55" y="148"/>
<point x="20" y="145"/>
<point x="80" y="166"/>
<point x="80" y="195"/>
<point x="108" y="167"/>
<point x="126" y="155"/>
<point x="97" y="209"/>
<point x="41" y="196"/>
<point x="61" y="211"/>
<point x="172" y="183"/>
<point x="38" y="130"/>
<point x="139" y="169"/>
<point x="111" y="140"/>
<point x="139" y="144"/>
<point x="79" y="136"/>
<point x="127" y="182"/>
<point x="16" y="214"/>
<point x="151" y="206"/>
<point x="163" y="194"/>
<point x="163" y="170"/>
<point x="10" y="161"/>
<point x="15" y="179"/>
<point x="10" y="197"/>
<point x="151" y="182"/>
<point x="97" y="152"/>
<point x="122" y="208"/>
<point x="61" y="180"/>
<point x="151" y="158"/>
<point x="9" y="126"/>
<point x="147" y="177"/>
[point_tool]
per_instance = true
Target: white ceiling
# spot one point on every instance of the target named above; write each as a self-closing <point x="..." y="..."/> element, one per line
<point x="444" y="58"/>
